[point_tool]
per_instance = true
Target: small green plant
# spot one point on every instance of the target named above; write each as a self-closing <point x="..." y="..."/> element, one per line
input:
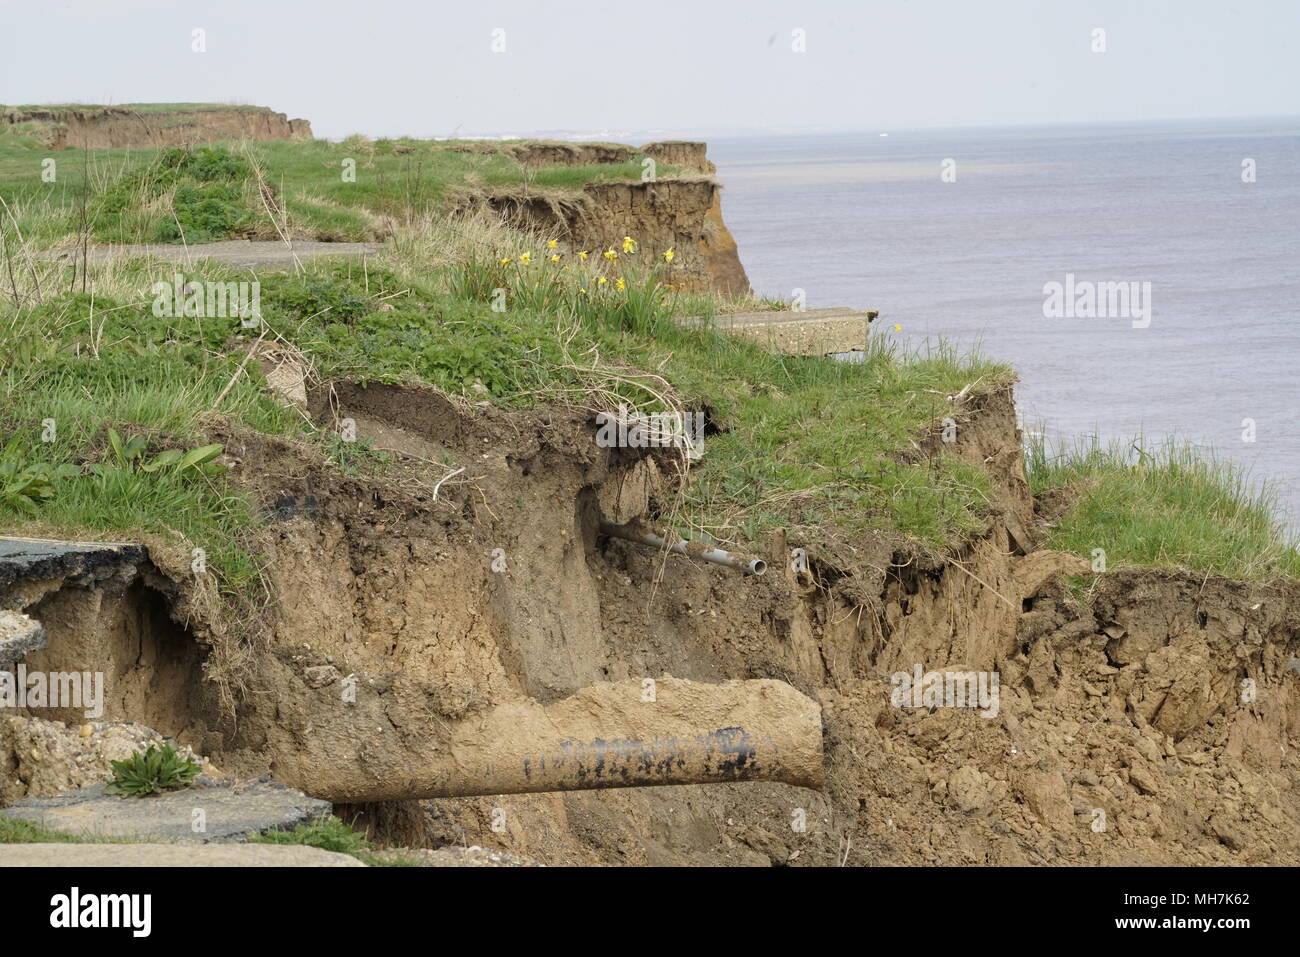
<point x="152" y="771"/>
<point x="208" y="198"/>
<point x="129" y="456"/>
<point x="357" y="457"/>
<point x="24" y="485"/>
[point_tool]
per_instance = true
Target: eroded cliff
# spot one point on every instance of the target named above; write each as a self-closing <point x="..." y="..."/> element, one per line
<point x="1118" y="730"/>
<point x="119" y="127"/>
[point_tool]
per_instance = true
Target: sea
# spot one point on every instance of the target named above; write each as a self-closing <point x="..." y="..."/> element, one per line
<point x="1143" y="279"/>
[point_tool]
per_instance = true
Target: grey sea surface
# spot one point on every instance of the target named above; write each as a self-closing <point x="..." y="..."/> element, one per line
<point x="872" y="221"/>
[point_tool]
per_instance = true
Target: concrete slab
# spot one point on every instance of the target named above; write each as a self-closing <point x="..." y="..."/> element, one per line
<point x="36" y="559"/>
<point x="812" y="332"/>
<point x="228" y="812"/>
<point x="171" y="855"/>
<point x="19" y="636"/>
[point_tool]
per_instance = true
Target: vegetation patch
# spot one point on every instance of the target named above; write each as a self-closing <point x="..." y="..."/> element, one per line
<point x="329" y="833"/>
<point x="326" y="832"/>
<point x="356" y="190"/>
<point x="152" y="771"/>
<point x="108" y="406"/>
<point x="17" y="831"/>
<point x="1167" y="505"/>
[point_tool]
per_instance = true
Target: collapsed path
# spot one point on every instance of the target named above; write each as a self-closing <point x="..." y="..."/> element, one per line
<point x="239" y="253"/>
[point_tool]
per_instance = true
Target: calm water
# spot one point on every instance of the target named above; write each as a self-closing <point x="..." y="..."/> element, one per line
<point x="864" y="220"/>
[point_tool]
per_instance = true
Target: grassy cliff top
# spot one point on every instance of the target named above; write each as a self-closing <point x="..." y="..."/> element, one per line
<point x="810" y="443"/>
<point x="351" y="191"/>
<point x="809" y="440"/>
<point x="138" y="107"/>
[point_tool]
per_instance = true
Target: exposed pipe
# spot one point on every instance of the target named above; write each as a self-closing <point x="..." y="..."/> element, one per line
<point x="634" y="733"/>
<point x="750" y="566"/>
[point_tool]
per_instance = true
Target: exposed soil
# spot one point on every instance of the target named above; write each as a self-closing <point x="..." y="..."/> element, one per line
<point x="1122" y="732"/>
<point x="682" y="212"/>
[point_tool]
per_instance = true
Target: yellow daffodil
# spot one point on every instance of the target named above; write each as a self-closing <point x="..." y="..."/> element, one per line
<point x="610" y="255"/>
<point x="551" y="244"/>
<point x="669" y="255"/>
<point x="582" y="291"/>
<point x="583" y="255"/>
<point x="525" y="258"/>
<point x="619" y="284"/>
<point x="555" y="258"/>
<point x="898" y="328"/>
<point x="629" y="244"/>
<point x="601" y="281"/>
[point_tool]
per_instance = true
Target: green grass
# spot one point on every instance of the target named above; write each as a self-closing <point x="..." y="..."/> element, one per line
<point x="326" y="832"/>
<point x="210" y="193"/>
<point x="13" y="831"/>
<point x="575" y="177"/>
<point x="86" y="366"/>
<point x="1165" y="506"/>
<point x="820" y="443"/>
<point x="806" y="441"/>
<point x="331" y="834"/>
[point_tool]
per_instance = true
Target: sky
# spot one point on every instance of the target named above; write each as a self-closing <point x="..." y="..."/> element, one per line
<point x="403" y="67"/>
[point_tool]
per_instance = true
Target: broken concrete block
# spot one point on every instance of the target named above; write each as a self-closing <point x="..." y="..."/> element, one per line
<point x="19" y="636"/>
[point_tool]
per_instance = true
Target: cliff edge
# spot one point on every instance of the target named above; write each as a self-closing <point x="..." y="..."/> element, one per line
<point x="140" y="126"/>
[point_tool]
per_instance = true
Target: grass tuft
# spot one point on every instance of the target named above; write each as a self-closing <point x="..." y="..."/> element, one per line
<point x="1165" y="505"/>
<point x="326" y="832"/>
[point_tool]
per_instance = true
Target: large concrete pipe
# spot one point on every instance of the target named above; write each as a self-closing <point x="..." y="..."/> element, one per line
<point x="605" y="736"/>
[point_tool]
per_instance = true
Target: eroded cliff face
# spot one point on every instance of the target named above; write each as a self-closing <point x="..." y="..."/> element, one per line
<point x="1120" y="731"/>
<point x="114" y="127"/>
<point x="682" y="212"/>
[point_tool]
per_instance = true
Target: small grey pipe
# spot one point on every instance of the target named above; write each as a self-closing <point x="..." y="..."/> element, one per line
<point x="750" y="566"/>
